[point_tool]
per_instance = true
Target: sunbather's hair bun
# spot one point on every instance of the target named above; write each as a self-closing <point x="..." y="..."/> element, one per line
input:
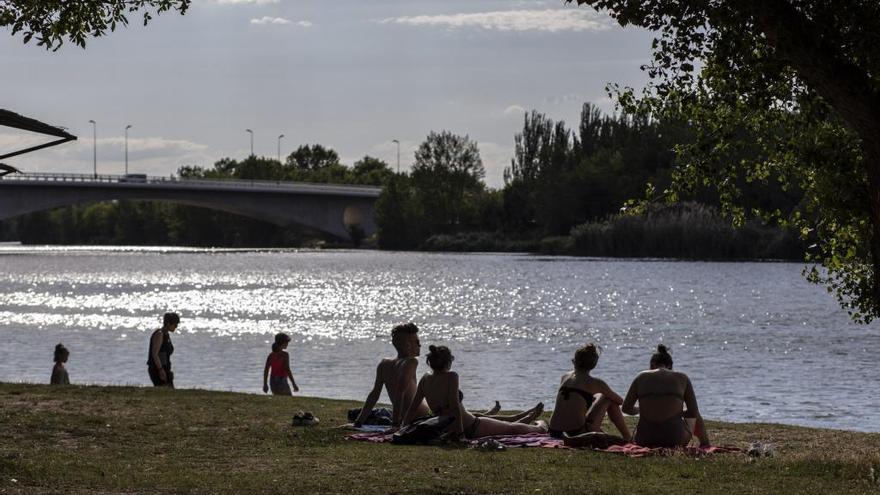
<point x="439" y="357"/>
<point x="586" y="357"/>
<point x="60" y="352"/>
<point x="661" y="357"/>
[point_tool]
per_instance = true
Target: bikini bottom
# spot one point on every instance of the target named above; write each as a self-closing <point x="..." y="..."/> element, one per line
<point x="559" y="433"/>
<point x="668" y="433"/>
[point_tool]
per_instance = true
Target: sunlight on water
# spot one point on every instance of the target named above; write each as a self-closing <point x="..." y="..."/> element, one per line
<point x="758" y="341"/>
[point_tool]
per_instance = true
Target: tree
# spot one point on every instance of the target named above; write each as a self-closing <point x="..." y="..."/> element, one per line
<point x="446" y="168"/>
<point x="371" y="171"/>
<point x="312" y="157"/>
<point x="53" y="21"/>
<point x="791" y="88"/>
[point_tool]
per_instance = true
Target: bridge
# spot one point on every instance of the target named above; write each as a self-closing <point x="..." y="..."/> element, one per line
<point x="335" y="209"/>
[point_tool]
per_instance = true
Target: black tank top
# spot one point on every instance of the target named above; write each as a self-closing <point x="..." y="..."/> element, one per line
<point x="165" y="351"/>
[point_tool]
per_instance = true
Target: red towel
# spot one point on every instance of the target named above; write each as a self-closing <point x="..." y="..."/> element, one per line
<point x="633" y="450"/>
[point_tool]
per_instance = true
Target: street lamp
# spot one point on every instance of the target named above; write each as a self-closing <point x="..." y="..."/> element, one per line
<point x="398" y="154"/>
<point x="94" y="148"/>
<point x="126" y="148"/>
<point x="252" y="140"/>
<point x="279" y="147"/>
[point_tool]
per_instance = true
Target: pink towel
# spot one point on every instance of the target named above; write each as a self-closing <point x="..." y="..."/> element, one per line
<point x="633" y="450"/>
<point x="528" y="440"/>
<point x="369" y="437"/>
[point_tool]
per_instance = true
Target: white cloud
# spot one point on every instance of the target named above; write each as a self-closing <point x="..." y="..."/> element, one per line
<point x="154" y="155"/>
<point x="267" y="20"/>
<point x="514" y="110"/>
<point x="549" y="20"/>
<point x="305" y="24"/>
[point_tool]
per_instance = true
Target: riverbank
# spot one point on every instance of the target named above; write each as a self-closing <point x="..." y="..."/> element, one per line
<point x="141" y="440"/>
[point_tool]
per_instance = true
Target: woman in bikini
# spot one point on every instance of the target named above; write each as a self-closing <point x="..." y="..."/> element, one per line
<point x="583" y="400"/>
<point x="440" y="390"/>
<point x="667" y="410"/>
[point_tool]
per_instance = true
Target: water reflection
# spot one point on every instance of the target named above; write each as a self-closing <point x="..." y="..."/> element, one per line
<point x="758" y="340"/>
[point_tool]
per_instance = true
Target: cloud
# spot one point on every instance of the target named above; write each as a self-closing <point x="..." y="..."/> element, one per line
<point x="154" y="155"/>
<point x="267" y="20"/>
<point x="305" y="24"/>
<point x="549" y="20"/>
<point x="514" y="110"/>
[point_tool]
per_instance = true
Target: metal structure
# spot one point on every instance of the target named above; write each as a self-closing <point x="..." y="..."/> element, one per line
<point x="16" y="121"/>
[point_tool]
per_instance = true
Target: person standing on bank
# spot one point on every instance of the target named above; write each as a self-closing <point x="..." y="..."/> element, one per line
<point x="278" y="363"/>
<point x="161" y="348"/>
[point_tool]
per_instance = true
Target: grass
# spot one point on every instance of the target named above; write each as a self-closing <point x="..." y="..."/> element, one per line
<point x="141" y="440"/>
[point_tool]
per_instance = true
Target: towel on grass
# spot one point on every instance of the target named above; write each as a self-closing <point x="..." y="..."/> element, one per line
<point x="373" y="437"/>
<point x="528" y="440"/>
<point x="544" y="440"/>
<point x="633" y="450"/>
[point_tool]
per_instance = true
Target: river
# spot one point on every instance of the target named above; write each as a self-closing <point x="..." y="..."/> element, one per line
<point x="758" y="341"/>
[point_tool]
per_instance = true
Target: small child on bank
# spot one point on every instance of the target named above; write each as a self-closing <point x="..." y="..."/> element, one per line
<point x="278" y="363"/>
<point x="59" y="372"/>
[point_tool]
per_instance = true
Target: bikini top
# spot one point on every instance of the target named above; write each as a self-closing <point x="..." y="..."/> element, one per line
<point x="566" y="394"/>
<point x="439" y="410"/>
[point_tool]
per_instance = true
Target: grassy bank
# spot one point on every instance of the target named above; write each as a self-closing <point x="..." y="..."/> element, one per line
<point x="139" y="440"/>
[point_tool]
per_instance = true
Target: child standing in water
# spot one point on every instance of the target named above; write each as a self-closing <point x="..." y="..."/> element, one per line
<point x="278" y="363"/>
<point x="59" y="372"/>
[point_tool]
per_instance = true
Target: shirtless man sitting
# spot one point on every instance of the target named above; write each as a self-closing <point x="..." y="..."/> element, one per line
<point x="398" y="376"/>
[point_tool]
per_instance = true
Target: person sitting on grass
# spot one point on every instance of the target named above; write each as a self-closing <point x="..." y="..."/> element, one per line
<point x="667" y="410"/>
<point x="277" y="370"/>
<point x="59" y="372"/>
<point x="440" y="390"/>
<point x="398" y="376"/>
<point x="583" y="401"/>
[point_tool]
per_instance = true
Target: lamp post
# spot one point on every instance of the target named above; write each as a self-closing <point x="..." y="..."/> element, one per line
<point x="94" y="148"/>
<point x="280" y="136"/>
<point x="252" y="140"/>
<point x="126" y="148"/>
<point x="398" y="154"/>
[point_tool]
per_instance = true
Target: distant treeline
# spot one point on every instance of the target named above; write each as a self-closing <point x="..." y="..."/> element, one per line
<point x="564" y="192"/>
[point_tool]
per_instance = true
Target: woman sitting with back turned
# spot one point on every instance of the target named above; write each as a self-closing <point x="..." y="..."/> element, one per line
<point x="583" y="400"/>
<point x="662" y="395"/>
<point x="440" y="390"/>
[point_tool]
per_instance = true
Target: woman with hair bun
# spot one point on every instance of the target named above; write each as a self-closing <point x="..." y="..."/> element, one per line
<point x="439" y="389"/>
<point x="667" y="410"/>
<point x="59" y="372"/>
<point x="278" y="364"/>
<point x="583" y="401"/>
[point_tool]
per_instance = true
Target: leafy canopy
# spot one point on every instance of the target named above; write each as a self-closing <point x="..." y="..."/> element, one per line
<point x="52" y="22"/>
<point x="776" y="90"/>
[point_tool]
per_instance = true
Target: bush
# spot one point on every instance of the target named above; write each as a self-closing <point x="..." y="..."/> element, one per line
<point x="687" y="231"/>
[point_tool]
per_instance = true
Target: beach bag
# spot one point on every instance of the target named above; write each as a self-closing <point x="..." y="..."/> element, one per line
<point x="422" y="430"/>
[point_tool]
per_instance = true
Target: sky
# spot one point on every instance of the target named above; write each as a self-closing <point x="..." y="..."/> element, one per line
<point x="351" y="75"/>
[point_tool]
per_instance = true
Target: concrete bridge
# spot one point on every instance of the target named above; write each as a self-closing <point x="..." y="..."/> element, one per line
<point x="330" y="208"/>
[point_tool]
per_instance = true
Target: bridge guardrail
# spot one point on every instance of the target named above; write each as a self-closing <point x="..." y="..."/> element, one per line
<point x="161" y="180"/>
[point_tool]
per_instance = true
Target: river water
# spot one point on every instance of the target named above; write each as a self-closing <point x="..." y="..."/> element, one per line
<point x="758" y="341"/>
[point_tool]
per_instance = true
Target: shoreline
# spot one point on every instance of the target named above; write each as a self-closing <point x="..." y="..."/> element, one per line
<point x="358" y="402"/>
<point x="102" y="439"/>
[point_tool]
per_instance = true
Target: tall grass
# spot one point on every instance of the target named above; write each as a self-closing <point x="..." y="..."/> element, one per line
<point x="687" y="231"/>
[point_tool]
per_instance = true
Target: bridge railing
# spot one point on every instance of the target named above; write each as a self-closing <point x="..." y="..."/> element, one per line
<point x="190" y="182"/>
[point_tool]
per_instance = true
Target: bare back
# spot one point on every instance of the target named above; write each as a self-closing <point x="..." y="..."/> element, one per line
<point x="661" y="393"/>
<point x="572" y="405"/>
